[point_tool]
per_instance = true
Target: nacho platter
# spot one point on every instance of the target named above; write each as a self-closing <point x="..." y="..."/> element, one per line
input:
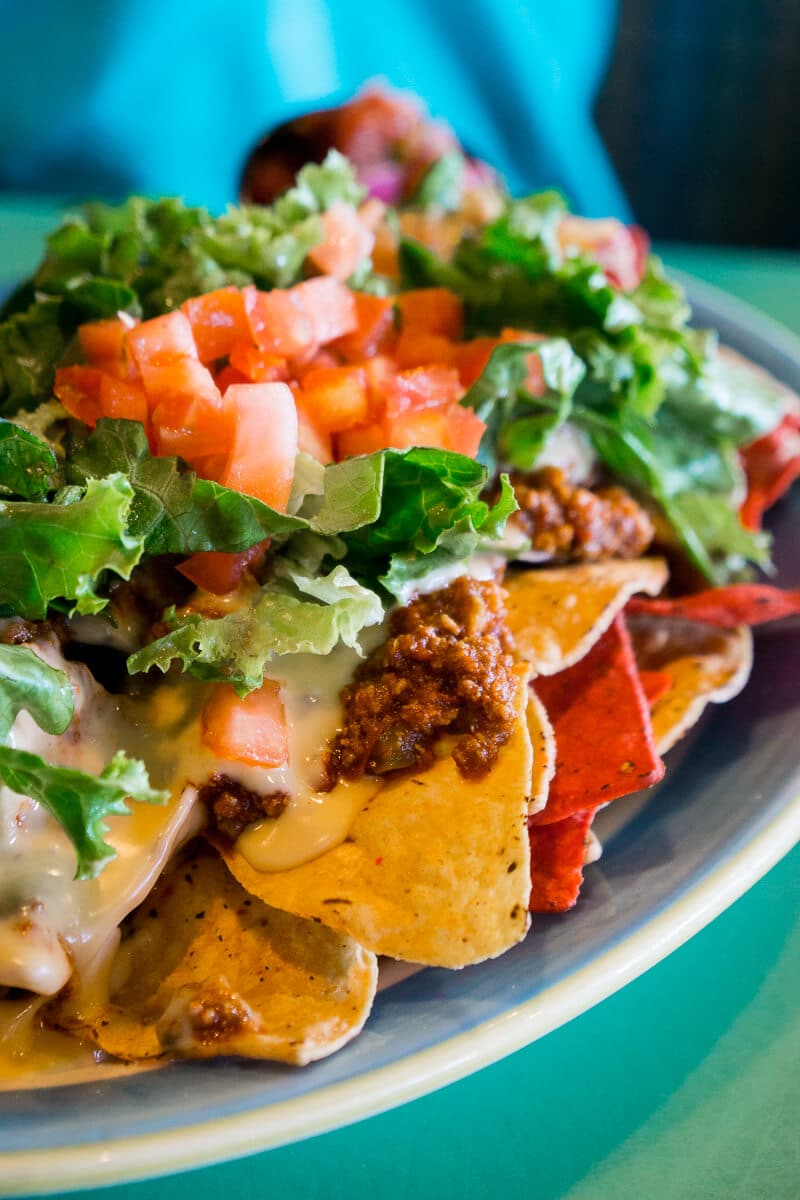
<point x="417" y="985"/>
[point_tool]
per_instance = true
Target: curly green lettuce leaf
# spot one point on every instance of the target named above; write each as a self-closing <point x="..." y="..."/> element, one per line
<point x="690" y="481"/>
<point x="146" y="257"/>
<point x="28" y="682"/>
<point x="58" y="551"/>
<point x="78" y="801"/>
<point x="441" y="187"/>
<point x="517" y="422"/>
<point x="28" y="466"/>
<point x="173" y="511"/>
<point x="31" y="343"/>
<point x="294" y="614"/>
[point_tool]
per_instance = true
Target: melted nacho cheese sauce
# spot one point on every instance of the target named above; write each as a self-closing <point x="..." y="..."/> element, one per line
<point x="51" y="922"/>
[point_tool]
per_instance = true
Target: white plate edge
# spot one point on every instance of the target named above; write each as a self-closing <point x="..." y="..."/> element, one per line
<point x="209" y="1142"/>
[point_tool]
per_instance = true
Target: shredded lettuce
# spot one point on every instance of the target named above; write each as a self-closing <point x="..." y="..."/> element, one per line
<point x="665" y="411"/>
<point x="148" y="256"/>
<point x="294" y="614"/>
<point x="58" y="551"/>
<point x="28" y="466"/>
<point x="382" y="520"/>
<point x="78" y="801"/>
<point x="28" y="682"/>
<point x="173" y="511"/>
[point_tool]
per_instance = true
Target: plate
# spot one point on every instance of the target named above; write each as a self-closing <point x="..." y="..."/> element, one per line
<point x="728" y="809"/>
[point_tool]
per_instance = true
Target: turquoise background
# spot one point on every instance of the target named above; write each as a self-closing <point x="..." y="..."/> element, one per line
<point x="684" y="1084"/>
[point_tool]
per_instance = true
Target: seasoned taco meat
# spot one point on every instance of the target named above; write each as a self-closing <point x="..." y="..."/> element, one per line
<point x="233" y="807"/>
<point x="445" y="669"/>
<point x="576" y="523"/>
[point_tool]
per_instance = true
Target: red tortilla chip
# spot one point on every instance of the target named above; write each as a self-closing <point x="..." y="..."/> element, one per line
<point x="727" y="607"/>
<point x="557" y="858"/>
<point x="771" y="464"/>
<point x="655" y="684"/>
<point x="601" y="721"/>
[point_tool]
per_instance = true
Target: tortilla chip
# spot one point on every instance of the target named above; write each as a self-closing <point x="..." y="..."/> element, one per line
<point x="435" y="869"/>
<point x="203" y="969"/>
<point x="655" y="684"/>
<point x="604" y="739"/>
<point x="558" y="856"/>
<point x="772" y="463"/>
<point x="557" y="615"/>
<point x="543" y="742"/>
<point x="704" y="664"/>
<point x="726" y="607"/>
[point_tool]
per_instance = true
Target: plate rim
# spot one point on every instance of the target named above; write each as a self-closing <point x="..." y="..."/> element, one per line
<point x="266" y="1127"/>
<point x="263" y="1127"/>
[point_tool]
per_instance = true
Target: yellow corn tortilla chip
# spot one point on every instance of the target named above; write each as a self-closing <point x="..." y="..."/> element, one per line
<point x="557" y="614"/>
<point x="204" y="969"/>
<point x="543" y="742"/>
<point x="705" y="664"/>
<point x="435" y="869"/>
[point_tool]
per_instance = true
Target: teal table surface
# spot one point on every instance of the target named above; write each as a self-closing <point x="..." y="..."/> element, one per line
<point x="683" y="1084"/>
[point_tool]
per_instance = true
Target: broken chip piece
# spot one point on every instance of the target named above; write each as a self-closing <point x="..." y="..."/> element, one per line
<point x="206" y="969"/>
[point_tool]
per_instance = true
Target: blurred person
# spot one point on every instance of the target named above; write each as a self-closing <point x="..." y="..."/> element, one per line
<point x="102" y="98"/>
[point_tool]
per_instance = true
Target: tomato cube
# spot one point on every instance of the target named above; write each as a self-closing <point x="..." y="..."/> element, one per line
<point x="118" y="398"/>
<point x="264" y="447"/>
<point x="250" y="730"/>
<point x="374" y="327"/>
<point x="365" y="439"/>
<point x="335" y="397"/>
<point x="78" y="389"/>
<point x="161" y="340"/>
<point x="102" y="341"/>
<point x="346" y="242"/>
<point x="279" y="322"/>
<point x="431" y="310"/>
<point x="422" y="387"/>
<point x="331" y="307"/>
<point x="218" y="319"/>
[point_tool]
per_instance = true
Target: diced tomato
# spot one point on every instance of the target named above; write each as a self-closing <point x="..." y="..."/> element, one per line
<point x="431" y="310"/>
<point x="218" y="320"/>
<point x="335" y="397"/>
<point x="78" y="389"/>
<point x="310" y="439"/>
<point x="378" y="372"/>
<point x="331" y="308"/>
<point x="620" y="250"/>
<point x="345" y="244"/>
<point x="261" y="460"/>
<point x="250" y="730"/>
<point x="371" y="213"/>
<point x="189" y="416"/>
<point x="279" y="322"/>
<point x="220" y="573"/>
<point x="465" y="430"/>
<point x="323" y="358"/>
<point x="374" y="324"/>
<point x="363" y="440"/>
<point x="103" y="341"/>
<point x="423" y="349"/>
<point x="418" y="427"/>
<point x="258" y="366"/>
<point x="422" y="387"/>
<point x="472" y="357"/>
<point x="228" y="375"/>
<point x="124" y="400"/>
<point x="161" y="340"/>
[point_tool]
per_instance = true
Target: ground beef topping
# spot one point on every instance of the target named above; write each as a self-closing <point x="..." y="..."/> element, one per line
<point x="579" y="524"/>
<point x="446" y="669"/>
<point x="233" y="806"/>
